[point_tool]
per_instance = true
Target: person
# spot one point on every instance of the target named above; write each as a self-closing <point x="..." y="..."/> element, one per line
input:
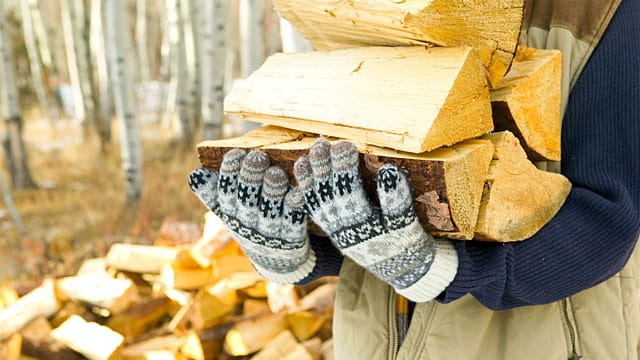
<point x="569" y="291"/>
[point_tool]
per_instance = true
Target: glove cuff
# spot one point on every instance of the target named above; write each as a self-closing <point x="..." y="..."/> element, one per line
<point x="442" y="271"/>
<point x="289" y="277"/>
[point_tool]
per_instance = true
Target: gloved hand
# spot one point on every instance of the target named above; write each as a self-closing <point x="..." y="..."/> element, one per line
<point x="388" y="241"/>
<point x="260" y="211"/>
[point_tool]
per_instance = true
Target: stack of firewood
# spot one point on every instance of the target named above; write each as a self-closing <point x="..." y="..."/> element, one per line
<point x="169" y="300"/>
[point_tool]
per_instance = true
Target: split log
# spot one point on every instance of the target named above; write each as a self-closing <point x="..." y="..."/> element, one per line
<point x="140" y="258"/>
<point x="527" y="102"/>
<point x="283" y="347"/>
<point x="446" y="183"/>
<point x="327" y="350"/>
<point x="158" y="347"/>
<point x="250" y="335"/>
<point x="281" y="296"/>
<point x="314" y="347"/>
<point x="42" y="301"/>
<point x="177" y="277"/>
<point x="95" y="341"/>
<point x="413" y="99"/>
<point x="214" y="237"/>
<point x="305" y="324"/>
<point x="206" y="344"/>
<point x="38" y="343"/>
<point x="140" y="317"/>
<point x="252" y="307"/>
<point x="100" y="290"/>
<point x="519" y="198"/>
<point x="212" y="303"/>
<point x="492" y="27"/>
<point x="10" y="347"/>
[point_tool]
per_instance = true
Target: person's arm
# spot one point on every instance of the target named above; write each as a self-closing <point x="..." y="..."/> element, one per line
<point x="594" y="233"/>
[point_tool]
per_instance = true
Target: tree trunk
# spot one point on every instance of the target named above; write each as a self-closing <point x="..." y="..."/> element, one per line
<point x="100" y="78"/>
<point x="81" y="35"/>
<point x="213" y="38"/>
<point x="34" y="59"/>
<point x="184" y="51"/>
<point x="141" y="40"/>
<point x="117" y="48"/>
<point x="68" y="21"/>
<point x="13" y="143"/>
<point x="252" y="47"/>
<point x="41" y="35"/>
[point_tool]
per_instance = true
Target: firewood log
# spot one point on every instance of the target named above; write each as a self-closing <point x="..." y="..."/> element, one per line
<point x="527" y="102"/>
<point x="446" y="183"/>
<point x="519" y="198"/>
<point x="100" y="290"/>
<point x="95" y="341"/>
<point x="38" y="343"/>
<point x="140" y="258"/>
<point x="413" y="99"/>
<point x="10" y="346"/>
<point x="42" y="301"/>
<point x="283" y="347"/>
<point x="157" y="347"/>
<point x="140" y="317"/>
<point x="206" y="344"/>
<point x="492" y="27"/>
<point x="250" y="335"/>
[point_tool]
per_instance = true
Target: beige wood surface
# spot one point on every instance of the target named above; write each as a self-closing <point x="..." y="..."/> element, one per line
<point x="42" y="301"/>
<point x="492" y="27"/>
<point x="95" y="341"/>
<point x="140" y="258"/>
<point x="519" y="199"/>
<point x="527" y="102"/>
<point x="413" y="99"/>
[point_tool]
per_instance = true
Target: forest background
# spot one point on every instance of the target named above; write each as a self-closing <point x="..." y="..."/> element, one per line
<point x="103" y="103"/>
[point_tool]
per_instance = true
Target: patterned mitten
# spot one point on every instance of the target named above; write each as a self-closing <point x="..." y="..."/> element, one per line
<point x="260" y="212"/>
<point x="388" y="241"/>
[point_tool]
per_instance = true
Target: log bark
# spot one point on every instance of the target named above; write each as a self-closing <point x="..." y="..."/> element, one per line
<point x="527" y="102"/>
<point x="518" y="199"/>
<point x="413" y="99"/>
<point x="492" y="27"/>
<point x="446" y="183"/>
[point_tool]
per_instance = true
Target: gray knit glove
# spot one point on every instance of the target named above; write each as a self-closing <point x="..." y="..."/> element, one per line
<point x="388" y="241"/>
<point x="260" y="211"/>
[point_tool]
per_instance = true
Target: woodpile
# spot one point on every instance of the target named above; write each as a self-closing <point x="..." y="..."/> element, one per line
<point x="438" y="87"/>
<point x="155" y="302"/>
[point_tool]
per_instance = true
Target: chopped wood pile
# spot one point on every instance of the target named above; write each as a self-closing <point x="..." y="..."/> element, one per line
<point x="174" y="299"/>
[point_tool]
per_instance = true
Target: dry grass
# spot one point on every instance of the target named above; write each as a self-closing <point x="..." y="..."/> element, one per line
<point x="78" y="209"/>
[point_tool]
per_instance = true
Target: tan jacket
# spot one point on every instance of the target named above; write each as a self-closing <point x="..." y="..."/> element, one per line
<point x="601" y="323"/>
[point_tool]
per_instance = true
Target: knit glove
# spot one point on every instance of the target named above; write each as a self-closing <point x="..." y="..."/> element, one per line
<point x="260" y="211"/>
<point x="388" y="241"/>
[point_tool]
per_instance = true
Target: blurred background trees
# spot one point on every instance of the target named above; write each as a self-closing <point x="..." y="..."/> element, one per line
<point x="119" y="75"/>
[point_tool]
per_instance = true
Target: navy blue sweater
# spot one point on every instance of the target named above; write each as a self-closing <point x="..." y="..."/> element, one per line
<point x="592" y="236"/>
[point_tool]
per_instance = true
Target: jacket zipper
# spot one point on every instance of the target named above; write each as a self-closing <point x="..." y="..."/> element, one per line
<point x="572" y="333"/>
<point x="393" y="327"/>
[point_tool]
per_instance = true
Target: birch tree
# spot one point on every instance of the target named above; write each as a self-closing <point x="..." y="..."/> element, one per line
<point x="100" y="76"/>
<point x="252" y="45"/>
<point x="117" y="49"/>
<point x="141" y="40"/>
<point x="72" y="63"/>
<point x="34" y="58"/>
<point x="213" y="36"/>
<point x="12" y="142"/>
<point x="184" y="53"/>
